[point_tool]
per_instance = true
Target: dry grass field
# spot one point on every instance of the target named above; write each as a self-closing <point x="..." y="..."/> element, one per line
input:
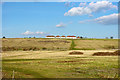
<point x="58" y="44"/>
<point x="96" y="44"/>
<point x="50" y="58"/>
<point x="35" y="44"/>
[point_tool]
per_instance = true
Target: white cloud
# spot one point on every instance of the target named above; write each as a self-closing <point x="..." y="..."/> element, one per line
<point x="78" y="11"/>
<point x="28" y="33"/>
<point x="111" y="19"/>
<point x="92" y="7"/>
<point x="108" y="20"/>
<point x="101" y="6"/>
<point x="34" y="33"/>
<point x="83" y="4"/>
<point x="61" y="25"/>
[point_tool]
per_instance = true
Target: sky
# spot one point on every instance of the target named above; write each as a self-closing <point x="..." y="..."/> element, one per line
<point x="39" y="19"/>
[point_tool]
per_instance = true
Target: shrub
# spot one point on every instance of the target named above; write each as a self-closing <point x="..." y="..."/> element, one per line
<point x="24" y="49"/>
<point x="75" y="53"/>
<point x="35" y="49"/>
<point x="107" y="53"/>
<point x="3" y="36"/>
<point x="44" y="48"/>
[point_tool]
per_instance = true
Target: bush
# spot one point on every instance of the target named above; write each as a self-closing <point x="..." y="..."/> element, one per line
<point x="35" y="49"/>
<point x="75" y="53"/>
<point x="117" y="52"/>
<point x="3" y="36"/>
<point x="25" y="49"/>
<point x="44" y="48"/>
<point x="107" y="53"/>
<point x="19" y="48"/>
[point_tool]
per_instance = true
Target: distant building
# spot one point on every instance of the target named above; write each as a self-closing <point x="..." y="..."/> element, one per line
<point x="50" y="36"/>
<point x="58" y="36"/>
<point x="78" y="37"/>
<point x="63" y="37"/>
<point x="71" y="37"/>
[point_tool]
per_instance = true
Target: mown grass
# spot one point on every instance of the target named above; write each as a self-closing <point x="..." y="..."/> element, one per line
<point x="64" y="67"/>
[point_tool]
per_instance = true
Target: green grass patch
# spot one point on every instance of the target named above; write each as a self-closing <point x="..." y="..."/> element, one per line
<point x="64" y="67"/>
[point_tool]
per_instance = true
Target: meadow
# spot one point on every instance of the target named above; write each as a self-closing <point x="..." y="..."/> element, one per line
<point x="11" y="44"/>
<point x="52" y="58"/>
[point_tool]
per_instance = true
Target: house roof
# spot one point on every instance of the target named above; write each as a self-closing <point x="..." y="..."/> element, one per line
<point x="62" y="36"/>
<point x="71" y="36"/>
<point x="50" y="36"/>
<point x="57" y="36"/>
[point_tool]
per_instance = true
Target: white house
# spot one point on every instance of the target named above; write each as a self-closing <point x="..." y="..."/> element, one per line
<point x="78" y="37"/>
<point x="58" y="36"/>
<point x="63" y="37"/>
<point x="50" y="36"/>
<point x="71" y="37"/>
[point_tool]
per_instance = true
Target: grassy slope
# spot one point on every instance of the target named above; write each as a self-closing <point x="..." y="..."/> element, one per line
<point x="96" y="44"/>
<point x="35" y="44"/>
<point x="61" y="65"/>
<point x="58" y="44"/>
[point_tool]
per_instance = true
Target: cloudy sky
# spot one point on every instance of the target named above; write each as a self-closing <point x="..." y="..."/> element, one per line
<point x="87" y="19"/>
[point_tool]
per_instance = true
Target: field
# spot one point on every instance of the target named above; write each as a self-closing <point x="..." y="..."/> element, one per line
<point x="96" y="44"/>
<point x="35" y="44"/>
<point x="58" y="44"/>
<point x="51" y="59"/>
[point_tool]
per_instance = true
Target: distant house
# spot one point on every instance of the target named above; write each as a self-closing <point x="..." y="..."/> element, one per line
<point x="78" y="37"/>
<point x="50" y="36"/>
<point x="63" y="37"/>
<point x="71" y="37"/>
<point x="57" y="36"/>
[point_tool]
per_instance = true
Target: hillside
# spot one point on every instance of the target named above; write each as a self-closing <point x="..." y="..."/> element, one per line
<point x="10" y="44"/>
